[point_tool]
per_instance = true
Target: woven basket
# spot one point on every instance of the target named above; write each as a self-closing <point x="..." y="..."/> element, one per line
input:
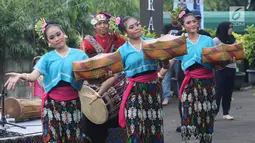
<point x="98" y="66"/>
<point x="223" y="53"/>
<point x="166" y="47"/>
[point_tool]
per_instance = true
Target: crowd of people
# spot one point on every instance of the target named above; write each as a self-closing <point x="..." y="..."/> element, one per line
<point x="141" y="112"/>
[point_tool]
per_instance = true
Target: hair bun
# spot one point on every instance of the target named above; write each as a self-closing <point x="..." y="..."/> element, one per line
<point x="121" y="25"/>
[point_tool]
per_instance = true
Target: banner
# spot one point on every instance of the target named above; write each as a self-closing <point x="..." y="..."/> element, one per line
<point x="151" y="15"/>
<point x="192" y="4"/>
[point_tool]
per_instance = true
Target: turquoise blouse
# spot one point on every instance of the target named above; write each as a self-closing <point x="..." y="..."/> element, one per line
<point x="55" y="68"/>
<point x="195" y="52"/>
<point x="133" y="60"/>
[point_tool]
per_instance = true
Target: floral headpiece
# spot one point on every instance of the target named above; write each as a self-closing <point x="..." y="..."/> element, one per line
<point x="40" y="27"/>
<point x="178" y="12"/>
<point x="175" y="12"/>
<point x="101" y="16"/>
<point x="98" y="18"/>
<point x="113" y="23"/>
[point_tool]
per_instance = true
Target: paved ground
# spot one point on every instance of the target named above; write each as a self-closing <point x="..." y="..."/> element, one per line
<point x="240" y="130"/>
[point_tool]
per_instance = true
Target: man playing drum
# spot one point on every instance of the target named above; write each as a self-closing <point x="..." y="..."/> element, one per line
<point x="103" y="42"/>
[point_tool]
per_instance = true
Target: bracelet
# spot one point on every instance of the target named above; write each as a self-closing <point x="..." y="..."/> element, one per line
<point x="26" y="76"/>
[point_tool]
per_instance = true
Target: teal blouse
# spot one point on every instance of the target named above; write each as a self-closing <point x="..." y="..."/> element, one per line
<point x="133" y="60"/>
<point x="195" y="52"/>
<point x="55" y="68"/>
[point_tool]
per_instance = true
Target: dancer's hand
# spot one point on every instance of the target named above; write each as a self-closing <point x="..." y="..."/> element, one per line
<point x="13" y="79"/>
<point x="94" y="98"/>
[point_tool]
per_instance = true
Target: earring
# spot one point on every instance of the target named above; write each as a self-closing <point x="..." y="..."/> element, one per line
<point x="66" y="36"/>
<point x="49" y="44"/>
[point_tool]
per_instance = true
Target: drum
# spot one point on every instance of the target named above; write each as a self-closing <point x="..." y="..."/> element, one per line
<point x="98" y="66"/>
<point x="223" y="53"/>
<point x="23" y="109"/>
<point x="165" y="47"/>
<point x="106" y="107"/>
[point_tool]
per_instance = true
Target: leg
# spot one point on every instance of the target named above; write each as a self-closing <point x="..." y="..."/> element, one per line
<point x="189" y="129"/>
<point x="60" y="128"/>
<point x="178" y="129"/>
<point x="94" y="133"/>
<point x="166" y="85"/>
<point x="48" y="123"/>
<point x="198" y="107"/>
<point x="220" y="87"/>
<point x="229" y="86"/>
<point x="143" y="112"/>
<point x="175" y="69"/>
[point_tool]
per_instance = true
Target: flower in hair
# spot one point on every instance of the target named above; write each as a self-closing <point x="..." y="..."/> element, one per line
<point x="117" y="21"/>
<point x="40" y="27"/>
<point x="113" y="24"/>
<point x="93" y="21"/>
<point x="43" y="27"/>
<point x="181" y="14"/>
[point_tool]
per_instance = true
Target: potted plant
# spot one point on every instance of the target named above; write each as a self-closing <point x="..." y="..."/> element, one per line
<point x="248" y="41"/>
<point x="249" y="50"/>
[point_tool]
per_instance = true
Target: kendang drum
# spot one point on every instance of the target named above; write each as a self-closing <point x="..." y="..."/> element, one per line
<point x="106" y="107"/>
<point x="23" y="109"/>
<point x="223" y="53"/>
<point x="98" y="66"/>
<point x="165" y="47"/>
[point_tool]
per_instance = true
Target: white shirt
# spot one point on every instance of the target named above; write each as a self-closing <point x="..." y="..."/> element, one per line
<point x="218" y="42"/>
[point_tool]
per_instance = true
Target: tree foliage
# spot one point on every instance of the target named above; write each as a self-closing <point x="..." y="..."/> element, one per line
<point x="18" y="18"/>
<point x="115" y="7"/>
<point x="15" y="25"/>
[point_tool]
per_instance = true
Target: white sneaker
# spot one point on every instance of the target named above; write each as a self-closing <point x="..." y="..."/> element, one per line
<point x="165" y="101"/>
<point x="228" y="117"/>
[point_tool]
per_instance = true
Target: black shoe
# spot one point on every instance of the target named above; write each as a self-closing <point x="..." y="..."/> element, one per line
<point x="178" y="129"/>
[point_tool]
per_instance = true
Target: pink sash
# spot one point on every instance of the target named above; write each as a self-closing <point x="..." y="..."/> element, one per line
<point x="201" y="73"/>
<point x="143" y="78"/>
<point x="61" y="94"/>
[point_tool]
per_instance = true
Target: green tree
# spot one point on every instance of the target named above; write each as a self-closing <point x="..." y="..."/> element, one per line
<point x="15" y="24"/>
<point x="168" y="5"/>
<point x="18" y="18"/>
<point x="115" y="7"/>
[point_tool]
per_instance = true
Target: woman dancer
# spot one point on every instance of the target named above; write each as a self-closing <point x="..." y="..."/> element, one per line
<point x="61" y="111"/>
<point x="198" y="88"/>
<point x="141" y="107"/>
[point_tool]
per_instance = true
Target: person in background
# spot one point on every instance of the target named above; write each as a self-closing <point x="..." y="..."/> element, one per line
<point x="103" y="41"/>
<point x="225" y="77"/>
<point x="60" y="124"/>
<point x="198" y="17"/>
<point x="37" y="85"/>
<point x="172" y="29"/>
